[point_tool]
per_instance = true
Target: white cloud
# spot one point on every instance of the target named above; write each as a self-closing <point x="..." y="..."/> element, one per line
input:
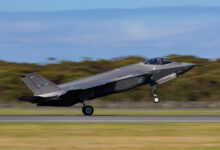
<point x="99" y="34"/>
<point x="22" y="26"/>
<point x="118" y="34"/>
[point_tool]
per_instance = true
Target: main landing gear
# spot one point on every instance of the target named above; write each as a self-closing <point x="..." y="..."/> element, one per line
<point x="87" y="109"/>
<point x="156" y="99"/>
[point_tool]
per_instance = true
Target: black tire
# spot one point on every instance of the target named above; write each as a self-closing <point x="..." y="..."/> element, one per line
<point x="87" y="110"/>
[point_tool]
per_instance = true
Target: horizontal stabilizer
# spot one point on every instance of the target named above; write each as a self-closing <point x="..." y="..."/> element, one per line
<point x="32" y="99"/>
<point x="41" y="101"/>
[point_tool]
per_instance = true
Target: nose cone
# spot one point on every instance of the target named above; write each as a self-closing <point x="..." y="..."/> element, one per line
<point x="189" y="66"/>
<point x="185" y="67"/>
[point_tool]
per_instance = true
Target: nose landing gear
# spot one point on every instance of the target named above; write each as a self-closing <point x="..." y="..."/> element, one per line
<point x="87" y="109"/>
<point x="156" y="99"/>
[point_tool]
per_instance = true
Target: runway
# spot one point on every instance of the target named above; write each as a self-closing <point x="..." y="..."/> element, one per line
<point x="110" y="119"/>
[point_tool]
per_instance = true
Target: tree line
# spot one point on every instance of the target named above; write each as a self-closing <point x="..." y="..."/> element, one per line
<point x="201" y="83"/>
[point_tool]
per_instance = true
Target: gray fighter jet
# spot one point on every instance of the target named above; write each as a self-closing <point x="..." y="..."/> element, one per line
<point x="153" y="72"/>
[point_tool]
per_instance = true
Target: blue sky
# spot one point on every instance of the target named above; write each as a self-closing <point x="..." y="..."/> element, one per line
<point x="32" y="31"/>
<point x="56" y="5"/>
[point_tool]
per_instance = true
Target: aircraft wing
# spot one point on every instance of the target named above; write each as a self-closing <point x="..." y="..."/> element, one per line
<point x="98" y="80"/>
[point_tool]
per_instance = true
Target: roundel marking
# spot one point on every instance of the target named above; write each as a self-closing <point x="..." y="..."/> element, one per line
<point x="140" y="81"/>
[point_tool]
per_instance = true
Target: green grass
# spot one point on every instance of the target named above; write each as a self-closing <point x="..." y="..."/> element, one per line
<point x="151" y="136"/>
<point x="106" y="112"/>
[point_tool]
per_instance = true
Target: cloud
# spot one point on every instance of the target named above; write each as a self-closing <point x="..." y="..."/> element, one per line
<point x="112" y="33"/>
<point x="21" y="26"/>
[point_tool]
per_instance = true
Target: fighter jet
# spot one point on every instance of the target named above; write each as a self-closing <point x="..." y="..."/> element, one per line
<point x="152" y="71"/>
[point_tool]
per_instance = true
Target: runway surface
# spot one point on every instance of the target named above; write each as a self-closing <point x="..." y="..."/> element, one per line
<point x="110" y="119"/>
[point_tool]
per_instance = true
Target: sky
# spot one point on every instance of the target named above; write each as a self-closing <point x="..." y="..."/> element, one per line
<point x="57" y="5"/>
<point x="32" y="31"/>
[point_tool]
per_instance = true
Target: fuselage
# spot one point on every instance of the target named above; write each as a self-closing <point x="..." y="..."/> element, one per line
<point x="119" y="80"/>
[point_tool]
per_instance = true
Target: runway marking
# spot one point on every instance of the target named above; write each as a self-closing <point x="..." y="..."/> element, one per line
<point x="111" y="119"/>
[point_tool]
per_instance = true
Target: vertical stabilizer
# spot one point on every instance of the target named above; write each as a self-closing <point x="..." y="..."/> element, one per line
<point x="39" y="85"/>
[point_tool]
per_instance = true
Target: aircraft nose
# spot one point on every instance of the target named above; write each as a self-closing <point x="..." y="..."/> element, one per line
<point x="189" y="66"/>
<point x="185" y="68"/>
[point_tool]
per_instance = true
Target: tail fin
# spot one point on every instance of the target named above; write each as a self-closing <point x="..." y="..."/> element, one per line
<point x="38" y="84"/>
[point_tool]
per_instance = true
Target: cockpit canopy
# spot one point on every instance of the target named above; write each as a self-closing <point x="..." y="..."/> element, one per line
<point x="158" y="61"/>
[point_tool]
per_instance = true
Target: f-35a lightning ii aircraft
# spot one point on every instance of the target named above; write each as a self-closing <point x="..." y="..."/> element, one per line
<point x="154" y="72"/>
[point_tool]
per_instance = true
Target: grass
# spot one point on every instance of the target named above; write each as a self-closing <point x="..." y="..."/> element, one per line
<point x="106" y="112"/>
<point x="151" y="136"/>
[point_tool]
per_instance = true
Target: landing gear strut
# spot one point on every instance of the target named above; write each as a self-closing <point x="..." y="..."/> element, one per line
<point x="156" y="99"/>
<point x="87" y="109"/>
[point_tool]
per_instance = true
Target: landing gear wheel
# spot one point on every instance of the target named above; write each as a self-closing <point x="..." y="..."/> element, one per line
<point x="87" y="110"/>
<point x="156" y="100"/>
